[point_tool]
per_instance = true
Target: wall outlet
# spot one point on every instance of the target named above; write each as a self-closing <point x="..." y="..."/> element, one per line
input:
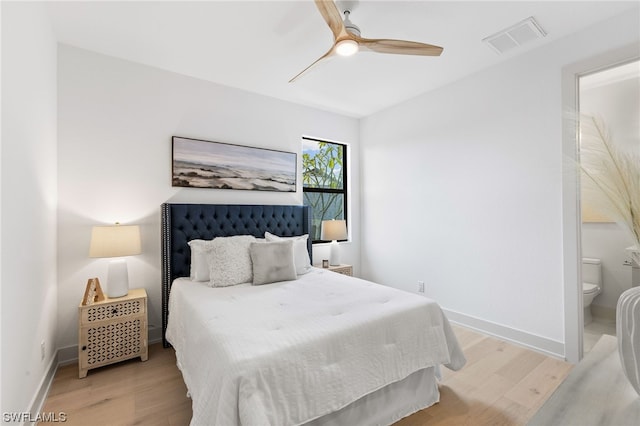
<point x="420" y="286"/>
<point x="42" y="351"/>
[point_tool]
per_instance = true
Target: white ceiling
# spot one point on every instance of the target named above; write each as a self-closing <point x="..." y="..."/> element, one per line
<point x="259" y="45"/>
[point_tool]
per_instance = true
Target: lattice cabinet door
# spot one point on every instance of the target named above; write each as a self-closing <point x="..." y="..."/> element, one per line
<point x="112" y="330"/>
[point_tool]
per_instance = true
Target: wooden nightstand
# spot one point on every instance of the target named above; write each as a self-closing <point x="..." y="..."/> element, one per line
<point x="112" y="330"/>
<point x="342" y="269"/>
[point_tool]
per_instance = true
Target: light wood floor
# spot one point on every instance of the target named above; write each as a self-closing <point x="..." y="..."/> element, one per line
<point x="502" y="384"/>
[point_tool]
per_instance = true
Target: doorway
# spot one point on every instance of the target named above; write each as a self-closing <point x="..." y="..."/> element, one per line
<point x="571" y="208"/>
<point x="611" y="96"/>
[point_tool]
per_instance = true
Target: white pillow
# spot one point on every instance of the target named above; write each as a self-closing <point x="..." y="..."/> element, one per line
<point x="300" y="252"/>
<point x="229" y="261"/>
<point x="199" y="259"/>
<point x="272" y="262"/>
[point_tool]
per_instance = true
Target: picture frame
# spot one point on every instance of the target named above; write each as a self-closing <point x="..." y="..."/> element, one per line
<point x="93" y="292"/>
<point x="198" y="163"/>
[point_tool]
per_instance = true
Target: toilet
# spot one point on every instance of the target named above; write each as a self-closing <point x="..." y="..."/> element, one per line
<point x="591" y="284"/>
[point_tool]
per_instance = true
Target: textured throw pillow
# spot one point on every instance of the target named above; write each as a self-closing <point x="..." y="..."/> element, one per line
<point x="300" y="252"/>
<point x="229" y="261"/>
<point x="272" y="262"/>
<point x="199" y="259"/>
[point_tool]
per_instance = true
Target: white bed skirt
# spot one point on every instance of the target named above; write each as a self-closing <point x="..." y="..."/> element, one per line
<point x="389" y="404"/>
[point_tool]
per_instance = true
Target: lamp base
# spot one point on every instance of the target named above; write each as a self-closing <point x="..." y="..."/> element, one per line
<point x="117" y="278"/>
<point x="334" y="253"/>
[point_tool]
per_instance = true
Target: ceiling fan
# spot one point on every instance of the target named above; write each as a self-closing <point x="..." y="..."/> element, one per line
<point x="347" y="40"/>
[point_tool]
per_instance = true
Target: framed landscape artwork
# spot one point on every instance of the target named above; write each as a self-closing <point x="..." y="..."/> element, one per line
<point x="205" y="164"/>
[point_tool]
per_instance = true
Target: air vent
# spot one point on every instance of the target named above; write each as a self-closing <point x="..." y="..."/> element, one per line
<point x="516" y="35"/>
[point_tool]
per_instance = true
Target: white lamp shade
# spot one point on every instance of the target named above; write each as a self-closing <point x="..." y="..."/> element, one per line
<point x="115" y="241"/>
<point x="334" y="230"/>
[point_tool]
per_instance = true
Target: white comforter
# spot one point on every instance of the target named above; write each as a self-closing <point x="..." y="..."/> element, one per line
<point x="290" y="352"/>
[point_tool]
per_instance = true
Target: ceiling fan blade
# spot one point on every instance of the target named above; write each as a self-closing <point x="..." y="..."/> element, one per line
<point x="400" y="47"/>
<point x="304" y="71"/>
<point x="332" y="17"/>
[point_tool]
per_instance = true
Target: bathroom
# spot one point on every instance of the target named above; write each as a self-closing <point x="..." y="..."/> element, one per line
<point x="612" y="95"/>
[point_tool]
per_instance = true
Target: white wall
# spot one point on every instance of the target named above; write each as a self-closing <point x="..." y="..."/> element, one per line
<point x="28" y="232"/>
<point x="116" y="119"/>
<point x="462" y="188"/>
<point x="617" y="103"/>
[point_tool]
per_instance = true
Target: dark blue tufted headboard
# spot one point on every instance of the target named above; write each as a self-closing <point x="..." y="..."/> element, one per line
<point x="182" y="223"/>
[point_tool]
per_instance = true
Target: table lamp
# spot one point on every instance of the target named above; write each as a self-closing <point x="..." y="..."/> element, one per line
<point x="334" y="230"/>
<point x="116" y="241"/>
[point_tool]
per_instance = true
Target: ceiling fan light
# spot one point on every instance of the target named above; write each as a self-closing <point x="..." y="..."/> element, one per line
<point x="347" y="47"/>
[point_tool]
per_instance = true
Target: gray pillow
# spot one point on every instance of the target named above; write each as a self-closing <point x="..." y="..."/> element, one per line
<point x="272" y="262"/>
<point x="199" y="259"/>
<point x="300" y="253"/>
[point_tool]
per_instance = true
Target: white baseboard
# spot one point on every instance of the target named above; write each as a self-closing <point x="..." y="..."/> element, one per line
<point x="540" y="344"/>
<point x="43" y="390"/>
<point x="65" y="356"/>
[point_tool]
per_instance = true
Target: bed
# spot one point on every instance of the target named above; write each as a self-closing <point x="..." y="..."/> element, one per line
<point x="318" y="348"/>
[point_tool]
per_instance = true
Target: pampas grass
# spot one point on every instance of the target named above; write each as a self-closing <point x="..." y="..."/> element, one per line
<point x="610" y="175"/>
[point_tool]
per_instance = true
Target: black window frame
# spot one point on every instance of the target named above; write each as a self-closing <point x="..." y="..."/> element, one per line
<point x="343" y="191"/>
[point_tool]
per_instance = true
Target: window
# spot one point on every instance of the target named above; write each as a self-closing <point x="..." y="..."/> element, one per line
<point x="324" y="178"/>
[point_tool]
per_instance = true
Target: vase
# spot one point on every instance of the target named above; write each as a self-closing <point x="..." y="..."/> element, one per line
<point x="628" y="332"/>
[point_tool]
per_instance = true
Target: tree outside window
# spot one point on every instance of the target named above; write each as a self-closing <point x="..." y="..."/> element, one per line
<point x="324" y="177"/>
